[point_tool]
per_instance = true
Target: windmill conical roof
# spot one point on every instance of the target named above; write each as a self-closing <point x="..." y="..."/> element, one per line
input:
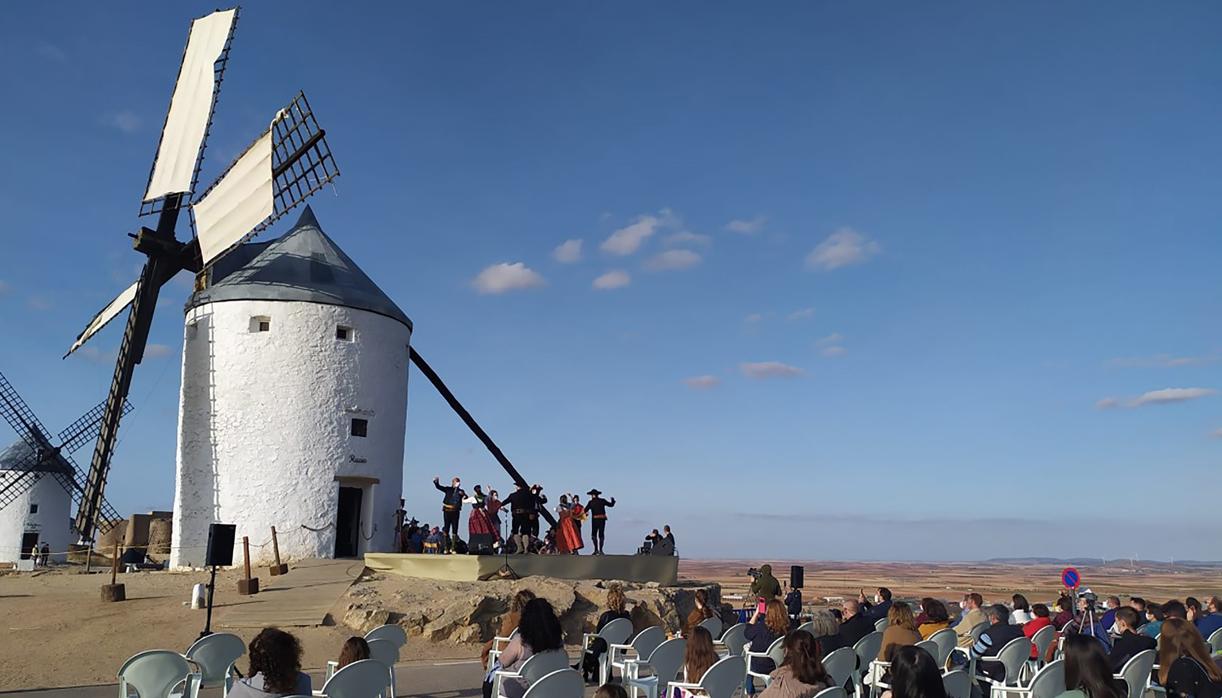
<point x="302" y="265"/>
<point x="17" y="457"/>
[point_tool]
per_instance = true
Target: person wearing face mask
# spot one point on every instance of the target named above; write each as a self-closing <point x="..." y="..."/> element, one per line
<point x="882" y="604"/>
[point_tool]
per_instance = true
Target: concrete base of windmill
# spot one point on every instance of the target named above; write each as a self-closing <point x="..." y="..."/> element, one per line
<point x="246" y="587"/>
<point x="278" y="570"/>
<point x="114" y="592"/>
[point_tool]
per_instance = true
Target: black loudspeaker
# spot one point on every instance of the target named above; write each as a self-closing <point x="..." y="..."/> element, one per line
<point x="220" y="545"/>
<point x="796" y="572"/>
<point x="481" y="543"/>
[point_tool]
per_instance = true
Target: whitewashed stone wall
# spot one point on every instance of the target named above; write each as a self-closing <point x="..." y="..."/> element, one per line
<point x="263" y="426"/>
<point x="53" y="520"/>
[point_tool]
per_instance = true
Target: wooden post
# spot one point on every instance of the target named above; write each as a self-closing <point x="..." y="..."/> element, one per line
<point x="278" y="568"/>
<point x="249" y="585"/>
<point x="114" y="591"/>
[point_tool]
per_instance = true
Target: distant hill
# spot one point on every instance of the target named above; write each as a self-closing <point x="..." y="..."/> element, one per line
<point x="1098" y="562"/>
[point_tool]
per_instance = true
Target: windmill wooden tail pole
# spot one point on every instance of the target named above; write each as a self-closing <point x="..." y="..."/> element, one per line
<point x="114" y="591"/>
<point x="249" y="585"/>
<point x="278" y="568"/>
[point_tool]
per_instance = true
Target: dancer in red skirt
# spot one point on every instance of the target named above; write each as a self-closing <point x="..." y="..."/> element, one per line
<point x="478" y="522"/>
<point x="568" y="540"/>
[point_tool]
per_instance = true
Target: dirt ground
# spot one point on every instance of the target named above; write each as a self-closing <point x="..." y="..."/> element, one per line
<point x="57" y="631"/>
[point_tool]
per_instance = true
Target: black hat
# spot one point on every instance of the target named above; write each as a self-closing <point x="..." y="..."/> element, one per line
<point x="594" y="492"/>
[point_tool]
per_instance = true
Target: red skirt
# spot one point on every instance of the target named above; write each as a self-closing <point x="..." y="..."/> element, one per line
<point x="567" y="537"/>
<point x="479" y="523"/>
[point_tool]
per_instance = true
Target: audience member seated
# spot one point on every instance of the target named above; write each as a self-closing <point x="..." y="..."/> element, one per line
<point x="275" y="667"/>
<point x="1208" y="619"/>
<point x="1021" y="614"/>
<point x="826" y="630"/>
<point x="509" y="621"/>
<point x="702" y="611"/>
<point x="1154" y="620"/>
<point x="801" y="674"/>
<point x="354" y="650"/>
<point x="914" y="674"/>
<point x="993" y="639"/>
<point x="539" y="631"/>
<point x="643" y="617"/>
<point x="1087" y="673"/>
<point x="762" y="631"/>
<point x="765" y="585"/>
<point x="971" y="616"/>
<point x="936" y="618"/>
<point x="923" y="604"/>
<point x="900" y="631"/>
<point x="615" y="610"/>
<point x="433" y="542"/>
<point x="1175" y="609"/>
<point x="1127" y="641"/>
<point x="1040" y="619"/>
<point x="853" y="625"/>
<point x="611" y="690"/>
<point x="1109" y="613"/>
<point x="1184" y="664"/>
<point x="1064" y="615"/>
<point x="699" y="655"/>
<point x="1138" y="604"/>
<point x="878" y="610"/>
<point x="1080" y="626"/>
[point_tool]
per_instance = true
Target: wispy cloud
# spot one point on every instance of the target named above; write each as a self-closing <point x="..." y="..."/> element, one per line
<point x="842" y="248"/>
<point x="1163" y="361"/>
<point x="769" y="369"/>
<point x="567" y="252"/>
<point x="802" y="314"/>
<point x="158" y="351"/>
<point x="51" y="52"/>
<point x="125" y="120"/>
<point x="616" y="278"/>
<point x="39" y="303"/>
<point x="832" y="345"/>
<point x="833" y="352"/>
<point x="1216" y="433"/>
<point x="95" y="355"/>
<point x="1164" y="396"/>
<point x="833" y="338"/>
<point x="686" y="237"/>
<point x="749" y="226"/>
<point x="504" y="277"/>
<point x="702" y="382"/>
<point x="754" y="318"/>
<point x="629" y="239"/>
<point x="673" y="259"/>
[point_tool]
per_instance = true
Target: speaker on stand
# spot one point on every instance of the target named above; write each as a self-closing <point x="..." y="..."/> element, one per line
<point x="219" y="553"/>
<point x="796" y="574"/>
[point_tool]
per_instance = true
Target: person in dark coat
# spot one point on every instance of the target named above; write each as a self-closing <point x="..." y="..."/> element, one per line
<point x="451" y="508"/>
<point x="597" y="510"/>
<point x="763" y="630"/>
<point x="999" y="632"/>
<point x="878" y="610"/>
<point x="521" y="503"/>
<point x="765" y="586"/>
<point x="853" y="625"/>
<point x="1129" y="642"/>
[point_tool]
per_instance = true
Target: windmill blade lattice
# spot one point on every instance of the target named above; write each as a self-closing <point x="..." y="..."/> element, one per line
<point x="85" y="428"/>
<point x="21" y="418"/>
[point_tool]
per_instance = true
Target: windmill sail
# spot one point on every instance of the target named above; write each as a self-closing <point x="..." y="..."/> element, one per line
<point x="110" y="312"/>
<point x="190" y="113"/>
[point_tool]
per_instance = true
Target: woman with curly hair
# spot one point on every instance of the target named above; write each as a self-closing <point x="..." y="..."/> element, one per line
<point x="275" y="667"/>
<point x="801" y="674"/>
<point x="900" y="632"/>
<point x="509" y="621"/>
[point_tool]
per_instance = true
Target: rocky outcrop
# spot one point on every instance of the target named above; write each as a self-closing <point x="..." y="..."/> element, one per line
<point x="471" y="612"/>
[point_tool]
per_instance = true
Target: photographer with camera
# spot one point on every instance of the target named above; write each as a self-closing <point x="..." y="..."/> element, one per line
<point x="763" y="584"/>
<point x="1087" y="622"/>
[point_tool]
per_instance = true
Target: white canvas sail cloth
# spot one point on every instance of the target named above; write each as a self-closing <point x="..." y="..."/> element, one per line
<point x="239" y="203"/>
<point x="108" y="313"/>
<point x="191" y="106"/>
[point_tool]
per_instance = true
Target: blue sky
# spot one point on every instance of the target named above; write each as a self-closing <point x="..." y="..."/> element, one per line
<point x="886" y="282"/>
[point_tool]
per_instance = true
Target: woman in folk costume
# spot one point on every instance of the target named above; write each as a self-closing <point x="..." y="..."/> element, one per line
<point x="568" y="541"/>
<point x="478" y="522"/>
<point x="493" y="506"/>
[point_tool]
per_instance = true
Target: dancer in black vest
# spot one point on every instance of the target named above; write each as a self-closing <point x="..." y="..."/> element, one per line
<point x="451" y="509"/>
<point x="597" y="509"/>
<point x="520" y="504"/>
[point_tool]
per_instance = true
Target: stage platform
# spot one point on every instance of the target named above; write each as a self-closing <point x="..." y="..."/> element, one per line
<point x="663" y="569"/>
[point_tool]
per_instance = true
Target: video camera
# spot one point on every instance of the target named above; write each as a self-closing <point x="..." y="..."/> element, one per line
<point x="753" y="572"/>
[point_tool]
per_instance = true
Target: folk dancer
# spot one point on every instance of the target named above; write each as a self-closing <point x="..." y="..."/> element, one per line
<point x="493" y="506"/>
<point x="538" y="499"/>
<point x="521" y="504"/>
<point x="400" y="529"/>
<point x="579" y="514"/>
<point x="597" y="509"/>
<point x="478" y="523"/>
<point x="451" y="509"/>
<point x="568" y="541"/>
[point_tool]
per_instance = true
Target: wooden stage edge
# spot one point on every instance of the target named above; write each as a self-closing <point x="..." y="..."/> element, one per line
<point x="663" y="569"/>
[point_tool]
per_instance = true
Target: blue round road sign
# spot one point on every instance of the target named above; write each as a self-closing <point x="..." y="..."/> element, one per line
<point x="1070" y="578"/>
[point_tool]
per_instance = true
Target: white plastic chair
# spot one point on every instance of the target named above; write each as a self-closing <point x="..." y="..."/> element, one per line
<point x="732" y="641"/>
<point x="500" y="643"/>
<point x="1215" y="641"/>
<point x="867" y="650"/>
<point x="958" y="684"/>
<point x="1136" y="672"/>
<point x="155" y="673"/>
<point x="930" y="647"/>
<point x="720" y="681"/>
<point x="833" y="692"/>
<point x="534" y="668"/>
<point x="947" y="640"/>
<point x="712" y="624"/>
<point x="1048" y="682"/>
<point x="1042" y="639"/>
<point x="215" y="656"/>
<point x="641" y="646"/>
<point x="616" y="632"/>
<point x="775" y="652"/>
<point x="394" y="633"/>
<point x="808" y="626"/>
<point x="561" y="683"/>
<point x="1013" y="657"/>
<point x="881" y="624"/>
<point x="363" y="679"/>
<point x="665" y="662"/>
<point x="386" y="652"/>
<point x="840" y="664"/>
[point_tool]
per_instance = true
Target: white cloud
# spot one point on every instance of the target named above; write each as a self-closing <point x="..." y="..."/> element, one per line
<point x="802" y="314"/>
<point x="1216" y="433"/>
<point x="1164" y="396"/>
<point x="125" y="120"/>
<point x="833" y="351"/>
<point x="94" y="355"/>
<point x="673" y="259"/>
<point x="769" y="369"/>
<point x="629" y="239"/>
<point x="504" y="277"/>
<point x="567" y="252"/>
<point x="751" y="226"/>
<point x="753" y="318"/>
<point x="701" y="382"/>
<point x="616" y="278"/>
<point x="687" y="237"/>
<point x="833" y="338"/>
<point x="39" y="303"/>
<point x="157" y="351"/>
<point x="841" y="249"/>
<point x="1163" y="361"/>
